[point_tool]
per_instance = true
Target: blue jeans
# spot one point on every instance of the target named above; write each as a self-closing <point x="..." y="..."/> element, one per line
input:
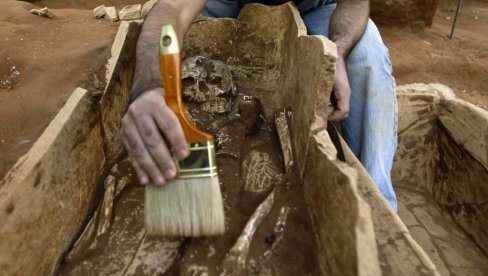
<point x="370" y="130"/>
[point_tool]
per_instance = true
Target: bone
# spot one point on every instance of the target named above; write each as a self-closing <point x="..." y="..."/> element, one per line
<point x="278" y="232"/>
<point x="284" y="135"/>
<point x="208" y="82"/>
<point x="234" y="262"/>
<point x="107" y="206"/>
<point x="259" y="173"/>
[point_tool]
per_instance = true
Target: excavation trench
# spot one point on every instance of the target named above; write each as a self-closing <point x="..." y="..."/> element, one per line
<point x="312" y="213"/>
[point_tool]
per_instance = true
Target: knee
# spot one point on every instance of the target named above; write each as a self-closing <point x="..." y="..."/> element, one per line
<point x="370" y="53"/>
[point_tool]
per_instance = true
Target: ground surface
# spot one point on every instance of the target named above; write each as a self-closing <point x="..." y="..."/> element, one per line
<point x="38" y="48"/>
<point x="430" y="56"/>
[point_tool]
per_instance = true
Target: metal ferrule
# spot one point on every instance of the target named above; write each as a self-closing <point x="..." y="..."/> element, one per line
<point x="200" y="163"/>
<point x="168" y="44"/>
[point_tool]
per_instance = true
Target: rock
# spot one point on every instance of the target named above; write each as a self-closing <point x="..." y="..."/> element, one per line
<point x="111" y="14"/>
<point x="99" y="12"/>
<point x="131" y="12"/>
<point x="44" y="12"/>
<point x="146" y="8"/>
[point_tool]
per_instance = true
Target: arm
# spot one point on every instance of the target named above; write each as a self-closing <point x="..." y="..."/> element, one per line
<point x="180" y="14"/>
<point x="347" y="26"/>
<point x="149" y="122"/>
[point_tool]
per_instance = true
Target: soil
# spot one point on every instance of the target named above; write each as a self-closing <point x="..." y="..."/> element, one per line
<point x="241" y="136"/>
<point x="36" y="48"/>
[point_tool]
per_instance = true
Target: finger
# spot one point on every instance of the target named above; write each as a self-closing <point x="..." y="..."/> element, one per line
<point x="172" y="130"/>
<point x="338" y="115"/>
<point x="141" y="174"/>
<point x="156" y="146"/>
<point x="138" y="152"/>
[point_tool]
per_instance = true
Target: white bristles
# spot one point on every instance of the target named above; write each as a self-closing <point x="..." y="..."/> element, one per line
<point x="185" y="207"/>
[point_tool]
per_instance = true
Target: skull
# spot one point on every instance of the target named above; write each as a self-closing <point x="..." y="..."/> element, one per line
<point x="208" y="82"/>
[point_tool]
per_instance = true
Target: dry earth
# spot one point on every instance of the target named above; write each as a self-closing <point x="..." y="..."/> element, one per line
<point x="42" y="60"/>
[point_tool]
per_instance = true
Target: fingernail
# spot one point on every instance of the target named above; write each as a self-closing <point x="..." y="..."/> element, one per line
<point x="170" y="174"/>
<point x="182" y="154"/>
<point x="159" y="180"/>
<point x="143" y="180"/>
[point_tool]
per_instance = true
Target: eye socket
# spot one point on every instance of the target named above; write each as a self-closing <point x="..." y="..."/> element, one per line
<point x="214" y="80"/>
<point x="188" y="81"/>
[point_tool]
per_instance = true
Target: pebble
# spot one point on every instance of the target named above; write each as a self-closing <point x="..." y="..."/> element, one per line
<point x="44" y="12"/>
<point x="111" y="14"/>
<point x="99" y="12"/>
<point x="131" y="12"/>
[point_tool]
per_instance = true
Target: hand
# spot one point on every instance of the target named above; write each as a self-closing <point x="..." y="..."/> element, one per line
<point x="142" y="127"/>
<point x="342" y="92"/>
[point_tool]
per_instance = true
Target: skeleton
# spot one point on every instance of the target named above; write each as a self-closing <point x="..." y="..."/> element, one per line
<point x="208" y="82"/>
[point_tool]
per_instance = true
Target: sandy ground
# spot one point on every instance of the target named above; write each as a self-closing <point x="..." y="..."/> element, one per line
<point x="43" y="60"/>
<point x="430" y="56"/>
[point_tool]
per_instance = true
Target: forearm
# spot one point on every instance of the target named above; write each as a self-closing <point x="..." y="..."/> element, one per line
<point x="348" y="23"/>
<point x="179" y="13"/>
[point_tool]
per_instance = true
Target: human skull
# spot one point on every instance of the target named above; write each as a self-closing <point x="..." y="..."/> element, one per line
<point x="208" y="82"/>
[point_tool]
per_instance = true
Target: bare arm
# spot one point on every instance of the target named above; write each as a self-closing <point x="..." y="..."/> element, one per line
<point x="347" y="26"/>
<point x="149" y="123"/>
<point x="179" y="13"/>
<point x="348" y="23"/>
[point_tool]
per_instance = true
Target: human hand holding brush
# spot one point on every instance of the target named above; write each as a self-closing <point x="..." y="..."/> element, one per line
<point x="191" y="204"/>
<point x="148" y="118"/>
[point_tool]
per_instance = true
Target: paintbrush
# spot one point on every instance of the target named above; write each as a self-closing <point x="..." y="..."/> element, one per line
<point x="191" y="204"/>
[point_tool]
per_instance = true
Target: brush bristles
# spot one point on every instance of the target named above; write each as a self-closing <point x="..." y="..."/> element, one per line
<point x="185" y="207"/>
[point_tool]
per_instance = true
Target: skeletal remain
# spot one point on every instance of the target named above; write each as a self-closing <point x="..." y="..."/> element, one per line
<point x="284" y="135"/>
<point x="278" y="232"/>
<point x="107" y="206"/>
<point x="258" y="172"/>
<point x="234" y="262"/>
<point x="208" y="82"/>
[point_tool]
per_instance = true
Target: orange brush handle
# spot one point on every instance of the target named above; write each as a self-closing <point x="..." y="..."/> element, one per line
<point x="171" y="74"/>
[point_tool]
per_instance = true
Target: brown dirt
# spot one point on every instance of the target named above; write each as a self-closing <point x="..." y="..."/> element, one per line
<point x="294" y="254"/>
<point x="428" y="55"/>
<point x="38" y="48"/>
<point x="41" y="62"/>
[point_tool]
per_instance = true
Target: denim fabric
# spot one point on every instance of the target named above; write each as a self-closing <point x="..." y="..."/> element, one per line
<point x="370" y="130"/>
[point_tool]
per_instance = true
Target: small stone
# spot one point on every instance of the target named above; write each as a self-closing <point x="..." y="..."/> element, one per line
<point x="99" y="11"/>
<point x="131" y="12"/>
<point x="44" y="12"/>
<point x="111" y="14"/>
<point x="146" y="8"/>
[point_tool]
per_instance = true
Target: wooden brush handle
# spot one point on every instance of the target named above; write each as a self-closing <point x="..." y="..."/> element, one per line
<point x="170" y="65"/>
